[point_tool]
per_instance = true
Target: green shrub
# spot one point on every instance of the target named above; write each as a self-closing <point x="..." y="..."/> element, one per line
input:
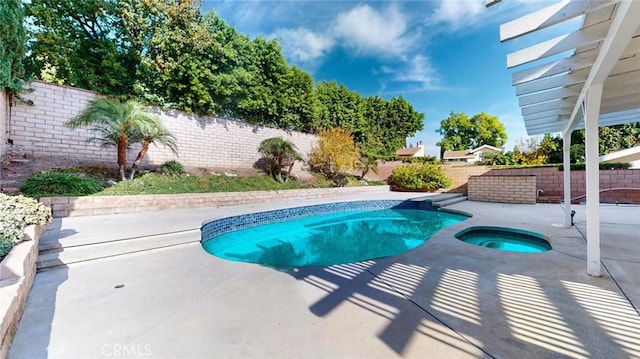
<point x="419" y="177"/>
<point x="603" y="166"/>
<point x="58" y="183"/>
<point x="171" y="168"/>
<point x="16" y="213"/>
<point x="422" y="159"/>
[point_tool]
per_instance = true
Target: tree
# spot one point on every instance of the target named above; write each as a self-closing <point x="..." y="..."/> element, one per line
<point x="119" y="125"/>
<point x="279" y="153"/>
<point x="156" y="133"/>
<point x="12" y="45"/>
<point x="463" y="133"/>
<point x="335" y="154"/>
<point x="80" y="43"/>
<point x="367" y="163"/>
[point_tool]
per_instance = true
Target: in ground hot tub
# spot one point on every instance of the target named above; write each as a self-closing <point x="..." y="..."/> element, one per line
<point x="505" y="239"/>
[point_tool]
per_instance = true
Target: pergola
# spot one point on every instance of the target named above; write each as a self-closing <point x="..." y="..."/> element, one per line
<point x="596" y="84"/>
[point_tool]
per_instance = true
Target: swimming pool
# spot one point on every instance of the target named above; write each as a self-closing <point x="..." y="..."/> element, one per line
<point x="335" y="233"/>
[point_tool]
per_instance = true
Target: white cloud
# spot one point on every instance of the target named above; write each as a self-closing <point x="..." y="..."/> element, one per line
<point x="373" y="32"/>
<point x="458" y="13"/>
<point x="303" y="45"/>
<point x="415" y="70"/>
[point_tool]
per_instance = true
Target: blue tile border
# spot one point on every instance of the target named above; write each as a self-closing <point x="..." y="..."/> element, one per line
<point x="219" y="226"/>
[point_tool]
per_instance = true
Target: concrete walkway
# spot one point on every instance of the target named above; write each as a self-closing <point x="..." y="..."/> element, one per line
<point x="445" y="299"/>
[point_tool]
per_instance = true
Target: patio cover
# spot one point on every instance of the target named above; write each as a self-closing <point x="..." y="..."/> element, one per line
<point x="596" y="84"/>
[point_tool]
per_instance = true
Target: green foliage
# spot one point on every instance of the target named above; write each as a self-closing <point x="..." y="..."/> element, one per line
<point x="57" y="183"/>
<point x="422" y="159"/>
<point x="278" y="154"/>
<point x="171" y="168"/>
<point x="12" y="45"/>
<point x="335" y="154"/>
<point x="80" y="43"/>
<point x="419" y="177"/>
<point x="170" y="54"/>
<point x="602" y="166"/>
<point x="119" y="125"/>
<point x="16" y="213"/>
<point x="498" y="159"/>
<point x="153" y="183"/>
<point x="463" y="133"/>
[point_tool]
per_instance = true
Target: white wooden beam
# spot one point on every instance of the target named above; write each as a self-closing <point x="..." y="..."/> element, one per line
<point x="558" y="93"/>
<point x="566" y="175"/>
<point x="548" y="83"/>
<point x="551" y="105"/>
<point x="566" y="111"/>
<point x="551" y="15"/>
<point x="572" y="63"/>
<point x="559" y="44"/>
<point x="592" y="177"/>
<point x="624" y="25"/>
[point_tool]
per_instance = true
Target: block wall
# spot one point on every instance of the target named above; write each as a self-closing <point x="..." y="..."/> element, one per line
<point x="202" y="141"/>
<point x="94" y="205"/>
<point x="617" y="186"/>
<point x="503" y="189"/>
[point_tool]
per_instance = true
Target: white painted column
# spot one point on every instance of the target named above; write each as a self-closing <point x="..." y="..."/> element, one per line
<point x="566" y="162"/>
<point x="592" y="174"/>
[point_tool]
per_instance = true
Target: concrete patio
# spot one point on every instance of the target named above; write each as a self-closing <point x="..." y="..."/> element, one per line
<point x="445" y="299"/>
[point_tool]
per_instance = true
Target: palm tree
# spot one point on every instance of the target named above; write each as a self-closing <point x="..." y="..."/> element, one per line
<point x="120" y="124"/>
<point x="156" y="134"/>
<point x="368" y="163"/>
<point x="279" y="153"/>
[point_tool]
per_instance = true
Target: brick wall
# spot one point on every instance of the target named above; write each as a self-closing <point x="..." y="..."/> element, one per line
<point x="503" y="189"/>
<point x="460" y="176"/>
<point x="202" y="141"/>
<point x="93" y="205"/>
<point x="620" y="186"/>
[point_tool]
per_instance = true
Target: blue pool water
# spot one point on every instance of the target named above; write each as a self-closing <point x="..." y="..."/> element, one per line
<point x="330" y="239"/>
<point x="505" y="239"/>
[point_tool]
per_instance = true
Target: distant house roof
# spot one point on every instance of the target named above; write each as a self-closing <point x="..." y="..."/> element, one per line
<point x="485" y="148"/>
<point x="410" y="151"/>
<point x="457" y="154"/>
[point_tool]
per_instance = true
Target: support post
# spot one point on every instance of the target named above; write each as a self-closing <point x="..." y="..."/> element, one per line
<point x="592" y="174"/>
<point x="566" y="161"/>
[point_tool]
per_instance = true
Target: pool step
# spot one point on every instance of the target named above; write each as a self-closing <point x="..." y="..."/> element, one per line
<point x="53" y="256"/>
<point x="448" y="199"/>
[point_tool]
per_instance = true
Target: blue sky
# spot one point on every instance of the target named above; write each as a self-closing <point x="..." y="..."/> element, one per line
<point x="441" y="56"/>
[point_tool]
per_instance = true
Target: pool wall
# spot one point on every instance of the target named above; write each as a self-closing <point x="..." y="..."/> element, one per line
<point x="227" y="224"/>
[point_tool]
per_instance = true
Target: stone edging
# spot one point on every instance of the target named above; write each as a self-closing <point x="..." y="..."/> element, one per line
<point x="17" y="271"/>
<point x="96" y="205"/>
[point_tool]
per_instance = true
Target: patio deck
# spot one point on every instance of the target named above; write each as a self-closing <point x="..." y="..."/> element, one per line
<point x="445" y="299"/>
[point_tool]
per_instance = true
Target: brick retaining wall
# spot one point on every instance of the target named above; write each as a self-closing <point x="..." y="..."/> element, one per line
<point x="503" y="189"/>
<point x="620" y="186"/>
<point x="94" y="205"/>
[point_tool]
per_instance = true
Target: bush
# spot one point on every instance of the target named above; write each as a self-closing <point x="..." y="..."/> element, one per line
<point x="16" y="213"/>
<point x="422" y="159"/>
<point x="171" y="168"/>
<point x="419" y="177"/>
<point x="335" y="154"/>
<point x="602" y="166"/>
<point x="59" y="183"/>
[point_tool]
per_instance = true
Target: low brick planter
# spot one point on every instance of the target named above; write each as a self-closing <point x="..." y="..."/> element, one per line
<point x="95" y="205"/>
<point x="17" y="271"/>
